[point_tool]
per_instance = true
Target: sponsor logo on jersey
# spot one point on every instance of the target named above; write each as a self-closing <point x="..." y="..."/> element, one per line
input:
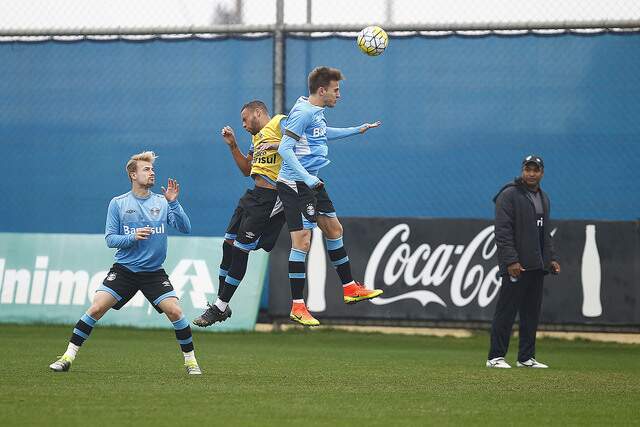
<point x="261" y="159"/>
<point x="130" y="211"/>
<point x="318" y="132"/>
<point x="132" y="230"/>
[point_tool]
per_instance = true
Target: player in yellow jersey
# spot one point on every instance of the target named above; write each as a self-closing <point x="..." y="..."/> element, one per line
<point x="258" y="218"/>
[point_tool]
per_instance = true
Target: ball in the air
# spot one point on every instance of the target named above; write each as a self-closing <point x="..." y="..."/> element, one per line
<point x="373" y="40"/>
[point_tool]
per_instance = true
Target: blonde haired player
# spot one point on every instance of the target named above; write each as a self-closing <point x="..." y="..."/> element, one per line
<point x="136" y="227"/>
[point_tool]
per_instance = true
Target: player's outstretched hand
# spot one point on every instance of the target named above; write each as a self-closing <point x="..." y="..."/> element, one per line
<point x="172" y="190"/>
<point x="228" y="136"/>
<point x="365" y="127"/>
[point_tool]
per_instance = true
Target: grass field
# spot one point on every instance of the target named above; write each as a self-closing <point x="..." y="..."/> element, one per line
<point x="308" y="378"/>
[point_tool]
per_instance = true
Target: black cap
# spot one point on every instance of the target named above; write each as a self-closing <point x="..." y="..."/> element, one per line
<point x="532" y="158"/>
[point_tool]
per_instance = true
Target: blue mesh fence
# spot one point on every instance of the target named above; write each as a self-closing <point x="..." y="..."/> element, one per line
<point x="71" y="114"/>
<point x="458" y="115"/>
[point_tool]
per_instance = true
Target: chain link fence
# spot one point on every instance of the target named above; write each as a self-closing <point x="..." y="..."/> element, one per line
<point x="464" y="90"/>
<point x="43" y="17"/>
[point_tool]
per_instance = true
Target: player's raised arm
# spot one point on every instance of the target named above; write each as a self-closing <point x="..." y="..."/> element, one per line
<point x="338" y="133"/>
<point x="112" y="229"/>
<point x="176" y="217"/>
<point x="243" y="162"/>
<point x="297" y="122"/>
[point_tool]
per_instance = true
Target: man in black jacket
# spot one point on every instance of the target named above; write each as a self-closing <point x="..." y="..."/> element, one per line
<point x="525" y="256"/>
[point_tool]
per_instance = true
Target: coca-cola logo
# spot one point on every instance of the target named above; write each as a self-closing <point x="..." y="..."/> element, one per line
<point x="428" y="268"/>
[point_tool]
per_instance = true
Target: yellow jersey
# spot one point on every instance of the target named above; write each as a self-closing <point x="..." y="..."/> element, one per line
<point x="266" y="163"/>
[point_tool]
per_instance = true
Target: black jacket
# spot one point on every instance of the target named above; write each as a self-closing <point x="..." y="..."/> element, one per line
<point x="516" y="232"/>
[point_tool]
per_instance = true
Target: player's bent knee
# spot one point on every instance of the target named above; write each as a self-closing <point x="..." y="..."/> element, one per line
<point x="301" y="240"/>
<point x="331" y="227"/>
<point x="171" y="308"/>
<point x="336" y="230"/>
<point x="97" y="310"/>
<point x="303" y="245"/>
<point x="102" y="302"/>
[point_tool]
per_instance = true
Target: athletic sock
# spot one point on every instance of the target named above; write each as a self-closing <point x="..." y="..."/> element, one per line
<point x="221" y="304"/>
<point x="72" y="350"/>
<point x="297" y="276"/>
<point x="227" y="257"/>
<point x="183" y="334"/>
<point x="80" y="334"/>
<point x="340" y="260"/>
<point x="236" y="274"/>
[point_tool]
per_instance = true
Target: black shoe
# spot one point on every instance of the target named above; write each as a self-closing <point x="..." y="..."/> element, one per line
<point x="211" y="316"/>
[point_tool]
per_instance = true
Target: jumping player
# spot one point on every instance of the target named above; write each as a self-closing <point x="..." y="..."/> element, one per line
<point x="258" y="218"/>
<point x="306" y="202"/>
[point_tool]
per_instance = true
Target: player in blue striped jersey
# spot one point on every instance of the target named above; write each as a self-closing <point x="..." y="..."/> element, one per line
<point x="136" y="227"/>
<point x="306" y="202"/>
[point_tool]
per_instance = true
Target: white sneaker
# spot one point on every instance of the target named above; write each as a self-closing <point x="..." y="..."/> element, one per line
<point x="497" y="362"/>
<point x="192" y="367"/>
<point x="531" y="363"/>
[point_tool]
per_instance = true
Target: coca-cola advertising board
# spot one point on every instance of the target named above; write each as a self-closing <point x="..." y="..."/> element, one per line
<point x="446" y="269"/>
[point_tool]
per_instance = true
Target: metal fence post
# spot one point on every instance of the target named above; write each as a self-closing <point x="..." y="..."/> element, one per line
<point x="278" y="60"/>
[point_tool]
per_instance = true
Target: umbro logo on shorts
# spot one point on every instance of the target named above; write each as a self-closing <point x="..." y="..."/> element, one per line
<point x="111" y="277"/>
<point x="250" y="235"/>
<point x="166" y="283"/>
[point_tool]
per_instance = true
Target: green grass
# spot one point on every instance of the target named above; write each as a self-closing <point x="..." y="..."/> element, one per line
<point x="308" y="378"/>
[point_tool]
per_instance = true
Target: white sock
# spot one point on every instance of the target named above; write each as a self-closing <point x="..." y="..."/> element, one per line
<point x="189" y="356"/>
<point x="221" y="304"/>
<point x="349" y="284"/>
<point x="72" y="350"/>
<point x="298" y="301"/>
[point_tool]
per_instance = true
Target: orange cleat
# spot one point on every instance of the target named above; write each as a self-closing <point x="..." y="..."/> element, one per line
<point x="357" y="292"/>
<point x="300" y="314"/>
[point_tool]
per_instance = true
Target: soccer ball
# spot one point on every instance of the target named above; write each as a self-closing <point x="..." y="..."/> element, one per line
<point x="373" y="40"/>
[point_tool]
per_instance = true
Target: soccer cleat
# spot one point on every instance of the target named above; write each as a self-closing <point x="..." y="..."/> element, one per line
<point x="531" y="363"/>
<point x="498" y="362"/>
<point x="300" y="314"/>
<point x="212" y="315"/>
<point x="192" y="367"/>
<point x="62" y="365"/>
<point x="357" y="292"/>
